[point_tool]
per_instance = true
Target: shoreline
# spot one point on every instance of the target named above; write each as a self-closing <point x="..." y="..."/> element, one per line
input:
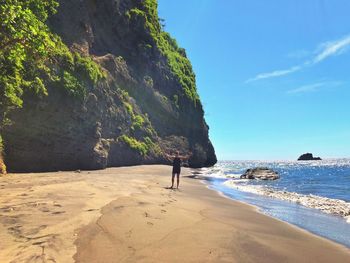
<point x="320" y="211"/>
<point x="335" y="207"/>
<point x="225" y="191"/>
<point x="261" y="211"/>
<point x="127" y="214"/>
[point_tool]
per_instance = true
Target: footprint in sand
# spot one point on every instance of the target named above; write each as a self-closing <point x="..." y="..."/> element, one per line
<point x="58" y="212"/>
<point x="150" y="223"/>
<point x="35" y="204"/>
<point x="129" y="233"/>
<point x="147" y="214"/>
<point x="118" y="207"/>
<point x="42" y="227"/>
<point x="6" y="209"/>
<point x="15" y="230"/>
<point x="38" y="243"/>
<point x="44" y="209"/>
<point x="163" y="211"/>
<point x="33" y="232"/>
<point x="91" y="210"/>
<point x="10" y="220"/>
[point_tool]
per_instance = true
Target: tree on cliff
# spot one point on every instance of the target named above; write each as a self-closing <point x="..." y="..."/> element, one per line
<point x="31" y="56"/>
<point x="25" y="45"/>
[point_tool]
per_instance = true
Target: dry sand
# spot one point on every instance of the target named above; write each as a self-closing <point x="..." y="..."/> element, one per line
<point x="128" y="215"/>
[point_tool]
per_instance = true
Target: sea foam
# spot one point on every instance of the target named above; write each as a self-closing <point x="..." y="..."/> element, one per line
<point x="326" y="205"/>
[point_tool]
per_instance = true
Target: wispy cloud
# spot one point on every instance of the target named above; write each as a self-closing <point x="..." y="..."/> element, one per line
<point x="276" y="73"/>
<point x="306" y="88"/>
<point x="324" y="51"/>
<point x="332" y="48"/>
<point x="314" y="87"/>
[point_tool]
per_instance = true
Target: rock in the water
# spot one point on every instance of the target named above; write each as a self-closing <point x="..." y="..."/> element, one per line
<point x="308" y="157"/>
<point x="261" y="173"/>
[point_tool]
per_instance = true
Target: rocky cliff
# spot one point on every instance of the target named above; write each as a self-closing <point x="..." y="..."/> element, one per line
<point x="145" y="103"/>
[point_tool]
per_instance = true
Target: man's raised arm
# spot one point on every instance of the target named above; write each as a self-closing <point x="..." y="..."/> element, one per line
<point x="186" y="157"/>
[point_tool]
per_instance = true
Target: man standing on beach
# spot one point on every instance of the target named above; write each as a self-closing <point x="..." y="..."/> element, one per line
<point x="176" y="166"/>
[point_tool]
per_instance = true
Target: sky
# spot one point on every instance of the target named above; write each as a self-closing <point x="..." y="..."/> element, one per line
<point x="273" y="76"/>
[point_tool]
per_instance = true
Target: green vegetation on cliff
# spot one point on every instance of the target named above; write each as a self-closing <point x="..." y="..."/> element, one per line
<point x="134" y="144"/>
<point x="142" y="147"/>
<point x="176" y="56"/>
<point x="32" y="57"/>
<point x="138" y="121"/>
<point x="56" y="103"/>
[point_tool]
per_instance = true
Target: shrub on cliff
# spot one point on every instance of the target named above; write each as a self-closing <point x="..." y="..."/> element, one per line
<point x="176" y="57"/>
<point x="141" y="147"/>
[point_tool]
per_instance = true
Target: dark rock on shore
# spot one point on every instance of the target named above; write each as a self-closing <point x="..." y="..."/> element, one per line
<point x="308" y="157"/>
<point x="262" y="173"/>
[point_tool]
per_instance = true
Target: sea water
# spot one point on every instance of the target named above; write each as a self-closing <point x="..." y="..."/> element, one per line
<point x="314" y="195"/>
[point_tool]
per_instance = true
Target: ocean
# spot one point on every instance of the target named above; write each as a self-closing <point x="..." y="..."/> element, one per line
<point x="313" y="195"/>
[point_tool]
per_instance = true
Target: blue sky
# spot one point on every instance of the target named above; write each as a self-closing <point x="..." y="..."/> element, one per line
<point x="274" y="76"/>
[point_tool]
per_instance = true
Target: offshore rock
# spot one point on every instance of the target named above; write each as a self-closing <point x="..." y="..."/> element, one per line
<point x="261" y="173"/>
<point x="308" y="157"/>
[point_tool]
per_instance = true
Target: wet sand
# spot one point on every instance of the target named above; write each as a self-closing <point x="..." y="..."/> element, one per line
<point x="128" y="215"/>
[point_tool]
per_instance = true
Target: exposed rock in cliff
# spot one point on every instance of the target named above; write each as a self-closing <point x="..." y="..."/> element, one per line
<point x="145" y="104"/>
<point x="308" y="157"/>
<point x="2" y="167"/>
<point x="2" y="164"/>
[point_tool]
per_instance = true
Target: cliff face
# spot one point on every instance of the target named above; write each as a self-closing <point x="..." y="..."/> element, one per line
<point x="145" y="105"/>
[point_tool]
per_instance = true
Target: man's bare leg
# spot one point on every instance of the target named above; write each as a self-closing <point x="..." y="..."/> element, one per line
<point x="172" y="180"/>
<point x="178" y="180"/>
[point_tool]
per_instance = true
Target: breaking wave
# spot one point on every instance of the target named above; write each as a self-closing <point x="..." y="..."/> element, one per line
<point x="326" y="205"/>
<point x="322" y="185"/>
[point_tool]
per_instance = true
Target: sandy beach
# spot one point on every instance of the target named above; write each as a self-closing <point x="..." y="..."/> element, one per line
<point x="129" y="215"/>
